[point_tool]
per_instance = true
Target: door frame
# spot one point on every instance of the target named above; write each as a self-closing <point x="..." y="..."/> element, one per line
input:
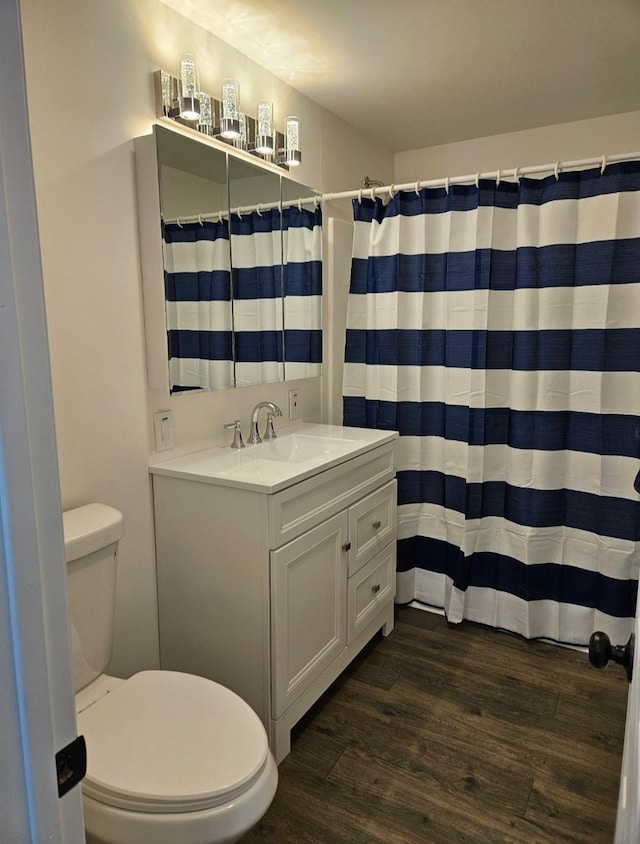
<point x="37" y="704"/>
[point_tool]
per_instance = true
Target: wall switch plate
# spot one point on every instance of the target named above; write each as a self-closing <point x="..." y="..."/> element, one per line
<point x="294" y="404"/>
<point x="163" y="429"/>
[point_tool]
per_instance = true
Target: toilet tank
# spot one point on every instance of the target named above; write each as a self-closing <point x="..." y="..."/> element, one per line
<point x="91" y="536"/>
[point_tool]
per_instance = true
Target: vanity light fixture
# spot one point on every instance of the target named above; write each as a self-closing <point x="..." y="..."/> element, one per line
<point x="189" y="102"/>
<point x="229" y="121"/>
<point x="264" y="128"/>
<point x="179" y="98"/>
<point x="292" y="153"/>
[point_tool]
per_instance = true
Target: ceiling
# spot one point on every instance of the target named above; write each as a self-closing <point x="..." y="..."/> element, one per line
<point x="416" y="73"/>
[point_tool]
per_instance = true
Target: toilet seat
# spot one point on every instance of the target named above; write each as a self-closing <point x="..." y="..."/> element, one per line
<point x="167" y="742"/>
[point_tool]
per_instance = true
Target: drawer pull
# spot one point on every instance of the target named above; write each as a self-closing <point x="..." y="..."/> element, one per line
<point x="375" y="589"/>
<point x="377" y="525"/>
<point x="346" y="546"/>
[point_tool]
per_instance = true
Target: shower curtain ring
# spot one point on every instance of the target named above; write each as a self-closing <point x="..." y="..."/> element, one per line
<point x="239" y="213"/>
<point x="360" y="196"/>
<point x="556" y="170"/>
<point x="180" y="226"/>
<point x="200" y="219"/>
<point x="392" y="189"/>
<point x="516" y="175"/>
<point x="446" y="186"/>
<point x="604" y="164"/>
<point x="317" y="201"/>
<point x="417" y="188"/>
<point x="258" y="211"/>
<point x="300" y="204"/>
<point x="498" y="179"/>
<point x="373" y="194"/>
<point x="478" y="180"/>
<point x="220" y="216"/>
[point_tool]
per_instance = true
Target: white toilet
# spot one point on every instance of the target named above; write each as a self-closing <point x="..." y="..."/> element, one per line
<point x="171" y="758"/>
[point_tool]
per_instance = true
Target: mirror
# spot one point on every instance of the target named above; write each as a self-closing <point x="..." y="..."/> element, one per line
<point x="242" y="265"/>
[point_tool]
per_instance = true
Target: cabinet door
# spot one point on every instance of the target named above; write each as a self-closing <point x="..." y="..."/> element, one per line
<point x="308" y="609"/>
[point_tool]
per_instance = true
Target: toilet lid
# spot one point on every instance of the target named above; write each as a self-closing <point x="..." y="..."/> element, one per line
<point x="164" y="741"/>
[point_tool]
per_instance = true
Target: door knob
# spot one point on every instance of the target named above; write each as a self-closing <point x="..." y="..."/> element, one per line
<point x="601" y="651"/>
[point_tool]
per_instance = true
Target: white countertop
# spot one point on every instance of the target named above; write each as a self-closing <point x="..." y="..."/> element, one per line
<point x="275" y="464"/>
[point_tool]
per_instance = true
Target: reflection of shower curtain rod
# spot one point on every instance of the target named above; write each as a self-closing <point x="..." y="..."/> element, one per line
<point x="219" y="216"/>
<point x="496" y="175"/>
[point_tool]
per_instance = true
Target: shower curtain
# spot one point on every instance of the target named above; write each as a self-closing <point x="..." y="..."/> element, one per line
<point x="496" y="327"/>
<point x="197" y="276"/>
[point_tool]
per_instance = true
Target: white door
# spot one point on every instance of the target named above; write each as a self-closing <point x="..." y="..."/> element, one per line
<point x="628" y="822"/>
<point x="37" y="716"/>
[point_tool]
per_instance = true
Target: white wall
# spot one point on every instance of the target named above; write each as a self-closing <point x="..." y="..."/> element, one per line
<point x="616" y="134"/>
<point x="89" y="72"/>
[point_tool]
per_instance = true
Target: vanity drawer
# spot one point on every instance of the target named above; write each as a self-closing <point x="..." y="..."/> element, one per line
<point x="371" y="587"/>
<point x="372" y="525"/>
<point x="302" y="506"/>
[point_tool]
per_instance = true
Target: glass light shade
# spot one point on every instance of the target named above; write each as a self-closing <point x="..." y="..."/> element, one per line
<point x="229" y="123"/>
<point x="264" y="127"/>
<point x="292" y="152"/>
<point x="189" y="102"/>
<point x="167" y="93"/>
<point x="205" y="123"/>
<point x="241" y="141"/>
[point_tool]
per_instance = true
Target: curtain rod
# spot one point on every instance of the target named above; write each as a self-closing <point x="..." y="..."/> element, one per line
<point x="372" y="192"/>
<point x="496" y="175"/>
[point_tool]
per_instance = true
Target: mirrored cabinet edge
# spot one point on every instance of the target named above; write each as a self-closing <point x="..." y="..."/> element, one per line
<point x="272" y="337"/>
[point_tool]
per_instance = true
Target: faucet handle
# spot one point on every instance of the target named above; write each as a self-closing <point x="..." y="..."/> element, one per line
<point x="238" y="442"/>
<point x="270" y="431"/>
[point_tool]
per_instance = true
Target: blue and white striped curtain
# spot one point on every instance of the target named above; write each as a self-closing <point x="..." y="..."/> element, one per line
<point x="302" y="250"/>
<point x="198" y="305"/>
<point x="496" y="327"/>
<point x="256" y="256"/>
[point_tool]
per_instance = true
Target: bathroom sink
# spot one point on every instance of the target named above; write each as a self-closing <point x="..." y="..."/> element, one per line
<point x="298" y="448"/>
<point x="273" y="465"/>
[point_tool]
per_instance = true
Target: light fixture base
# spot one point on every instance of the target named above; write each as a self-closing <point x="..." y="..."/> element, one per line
<point x="264" y="144"/>
<point x="292" y="157"/>
<point x="189" y="108"/>
<point x="229" y="128"/>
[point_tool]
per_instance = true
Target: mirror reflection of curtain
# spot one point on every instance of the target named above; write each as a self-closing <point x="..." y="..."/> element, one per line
<point x="302" y="249"/>
<point x="198" y="305"/>
<point x="256" y="256"/>
<point x="497" y="329"/>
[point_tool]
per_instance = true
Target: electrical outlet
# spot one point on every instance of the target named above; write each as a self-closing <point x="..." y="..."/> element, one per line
<point x="294" y="404"/>
<point x="163" y="429"/>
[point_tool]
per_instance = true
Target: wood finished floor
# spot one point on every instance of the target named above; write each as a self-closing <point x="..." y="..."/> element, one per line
<point x="449" y="734"/>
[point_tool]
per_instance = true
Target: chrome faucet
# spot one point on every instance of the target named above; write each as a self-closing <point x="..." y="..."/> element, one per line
<point x="269" y="431"/>
<point x="238" y="442"/>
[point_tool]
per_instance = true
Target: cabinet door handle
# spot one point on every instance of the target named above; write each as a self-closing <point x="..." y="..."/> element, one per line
<point x="375" y="589"/>
<point x="377" y="525"/>
<point x="346" y="546"/>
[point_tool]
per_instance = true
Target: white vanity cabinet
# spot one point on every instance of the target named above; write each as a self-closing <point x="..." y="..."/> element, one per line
<point x="272" y="593"/>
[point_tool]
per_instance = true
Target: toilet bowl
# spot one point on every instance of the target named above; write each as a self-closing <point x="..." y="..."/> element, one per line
<point x="172" y="758"/>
